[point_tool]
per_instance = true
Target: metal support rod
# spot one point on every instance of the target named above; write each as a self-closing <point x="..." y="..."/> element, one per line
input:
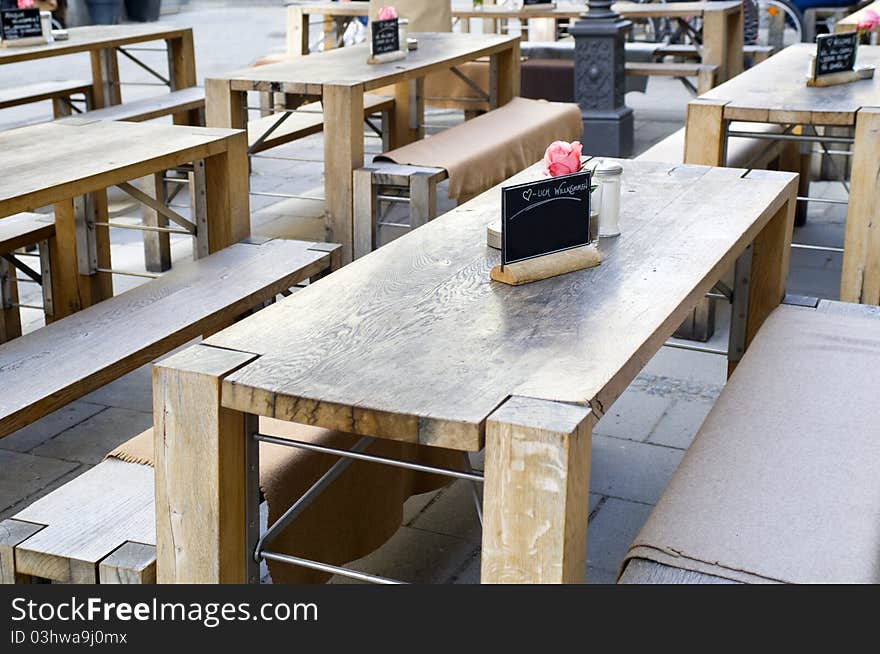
<point x="792" y="137"/>
<point x="269" y="132"/>
<point x="475" y="490"/>
<point x="718" y="296"/>
<point x="393" y="198"/>
<point x="126" y="53"/>
<point x="375" y="129"/>
<point x="806" y="198"/>
<point x="285" y="195"/>
<point x="18" y="305"/>
<point x="156" y="205"/>
<point x="695" y="348"/>
<point x="115" y="83"/>
<point x="471" y="83"/>
<point x="309" y="496"/>
<point x="821" y="248"/>
<point x="175" y="180"/>
<point x="383" y="223"/>
<point x="418" y="467"/>
<point x="130" y="49"/>
<point x="332" y="569"/>
<point x="145" y="228"/>
<point x="33" y="274"/>
<point x="127" y="273"/>
<point x="842" y="153"/>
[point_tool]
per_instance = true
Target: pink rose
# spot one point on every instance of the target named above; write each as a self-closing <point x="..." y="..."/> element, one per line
<point x="387" y="13"/>
<point x="562" y="158"/>
<point x="869" y="21"/>
<point x="25" y="4"/>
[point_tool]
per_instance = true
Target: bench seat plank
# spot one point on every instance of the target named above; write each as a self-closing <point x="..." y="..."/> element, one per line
<point x="25" y="229"/>
<point x="166" y="104"/>
<point x="71" y="357"/>
<point x="307" y="120"/>
<point x="642" y="571"/>
<point x="19" y="95"/>
<point x="742" y="152"/>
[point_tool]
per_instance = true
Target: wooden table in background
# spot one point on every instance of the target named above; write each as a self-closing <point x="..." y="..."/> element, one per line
<point x="775" y="91"/>
<point x="339" y="78"/>
<point x="414" y="343"/>
<point x="851" y="22"/>
<point x="102" y="43"/>
<point x="62" y="163"/>
<point x="722" y="23"/>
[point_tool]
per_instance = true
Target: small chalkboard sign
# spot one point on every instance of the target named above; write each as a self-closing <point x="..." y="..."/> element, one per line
<point x="534" y="3"/>
<point x="835" y="53"/>
<point x="545" y="217"/>
<point x="386" y="36"/>
<point x="17" y="24"/>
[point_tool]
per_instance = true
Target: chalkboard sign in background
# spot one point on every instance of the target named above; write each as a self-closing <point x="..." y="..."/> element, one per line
<point x="386" y="36"/>
<point x="835" y="53"/>
<point x="545" y="217"/>
<point x="16" y="24"/>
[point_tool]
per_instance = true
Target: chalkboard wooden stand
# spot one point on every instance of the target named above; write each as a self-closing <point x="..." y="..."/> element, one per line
<point x="843" y="77"/>
<point x="550" y="265"/>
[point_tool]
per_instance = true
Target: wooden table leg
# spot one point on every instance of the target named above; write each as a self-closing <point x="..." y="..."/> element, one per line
<point x="536" y="493"/>
<point x="860" y="281"/>
<point x="182" y="68"/>
<point x="408" y="115"/>
<point x="105" y="78"/>
<point x="297" y="31"/>
<point x="200" y="470"/>
<point x="504" y="76"/>
<point x="227" y="194"/>
<point x="706" y="133"/>
<point x="10" y="316"/>
<point x="723" y="41"/>
<point x="769" y="266"/>
<point x="343" y="152"/>
<point x="157" y="245"/>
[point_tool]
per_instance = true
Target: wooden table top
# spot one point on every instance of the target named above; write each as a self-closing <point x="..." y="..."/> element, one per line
<point x="93" y="37"/>
<point x="775" y="91"/>
<point x="413" y="342"/>
<point x="348" y="66"/>
<point x="562" y="10"/>
<point x="851" y="22"/>
<point x="50" y="162"/>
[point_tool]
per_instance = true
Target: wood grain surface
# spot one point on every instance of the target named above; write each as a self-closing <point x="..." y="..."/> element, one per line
<point x="413" y="342"/>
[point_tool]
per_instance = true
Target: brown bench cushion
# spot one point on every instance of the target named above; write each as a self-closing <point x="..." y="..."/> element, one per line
<point x="486" y="150"/>
<point x="781" y="482"/>
<point x="356" y="514"/>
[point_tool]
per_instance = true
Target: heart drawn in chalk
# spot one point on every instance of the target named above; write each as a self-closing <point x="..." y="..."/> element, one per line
<point x="527" y="194"/>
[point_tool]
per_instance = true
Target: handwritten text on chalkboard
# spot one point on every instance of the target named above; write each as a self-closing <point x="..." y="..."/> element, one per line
<point x="386" y="37"/>
<point x="545" y="217"/>
<point x="20" y="24"/>
<point x="835" y="53"/>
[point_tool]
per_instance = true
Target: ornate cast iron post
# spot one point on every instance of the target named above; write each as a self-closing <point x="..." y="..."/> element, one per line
<point x="600" y="80"/>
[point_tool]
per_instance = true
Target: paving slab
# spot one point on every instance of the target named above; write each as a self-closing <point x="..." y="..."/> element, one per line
<point x="37" y="433"/>
<point x="611" y="531"/>
<point x="633" y="416"/>
<point x="631" y="470"/>
<point x="25" y="474"/>
<point x="680" y="424"/>
<point x="90" y="440"/>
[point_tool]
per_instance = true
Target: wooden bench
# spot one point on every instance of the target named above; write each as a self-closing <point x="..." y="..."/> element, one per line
<point x="705" y="73"/>
<point x="387" y="181"/>
<point x="60" y="93"/>
<point x="780" y="483"/>
<point x="757" y="53"/>
<point x="18" y="232"/>
<point x="189" y="101"/>
<point x="275" y="129"/>
<point x="46" y="369"/>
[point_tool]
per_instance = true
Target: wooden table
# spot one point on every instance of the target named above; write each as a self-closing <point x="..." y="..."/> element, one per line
<point x="414" y="343"/>
<point x="851" y="22"/>
<point x="775" y="91"/>
<point x="339" y="78"/>
<point x="70" y="164"/>
<point x="722" y="23"/>
<point x="103" y="42"/>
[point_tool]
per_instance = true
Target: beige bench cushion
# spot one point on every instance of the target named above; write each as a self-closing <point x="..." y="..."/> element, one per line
<point x="486" y="150"/>
<point x="741" y="152"/>
<point x="781" y="483"/>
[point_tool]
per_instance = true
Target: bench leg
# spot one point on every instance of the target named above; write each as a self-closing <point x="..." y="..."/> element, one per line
<point x="201" y="475"/>
<point x="536" y="493"/>
<point x="366" y="212"/>
<point x="45" y="249"/>
<point x="105" y="78"/>
<point x="12" y="534"/>
<point x="422" y="199"/>
<point x="10" y="317"/>
<point x="131" y="563"/>
<point x="157" y="245"/>
<point x="794" y="160"/>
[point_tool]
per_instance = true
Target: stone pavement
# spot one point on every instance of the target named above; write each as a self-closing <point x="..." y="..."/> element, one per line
<point x="636" y="446"/>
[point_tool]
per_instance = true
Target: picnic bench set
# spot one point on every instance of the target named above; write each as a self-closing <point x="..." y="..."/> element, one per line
<point x="406" y="358"/>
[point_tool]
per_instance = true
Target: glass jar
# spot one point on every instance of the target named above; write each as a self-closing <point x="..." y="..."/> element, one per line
<point x="608" y="178"/>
